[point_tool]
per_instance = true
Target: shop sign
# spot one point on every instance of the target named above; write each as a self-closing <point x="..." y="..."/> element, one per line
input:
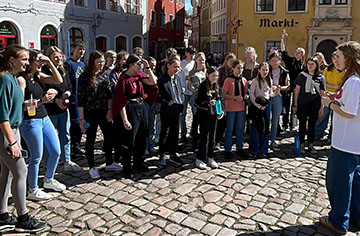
<point x="267" y="23"/>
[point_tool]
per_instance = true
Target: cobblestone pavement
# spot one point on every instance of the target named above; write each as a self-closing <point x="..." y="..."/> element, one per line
<point x="279" y="195"/>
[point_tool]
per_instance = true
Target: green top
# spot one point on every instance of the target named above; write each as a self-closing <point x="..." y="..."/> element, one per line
<point x="11" y="100"/>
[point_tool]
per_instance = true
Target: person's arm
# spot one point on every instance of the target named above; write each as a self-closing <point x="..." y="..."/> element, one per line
<point x="7" y="132"/>
<point x="56" y="78"/>
<point x="189" y="84"/>
<point x="152" y="80"/>
<point x="82" y="120"/>
<point x="283" y="39"/>
<point x="126" y="122"/>
<point x="287" y="84"/>
<point x="336" y="108"/>
<point x="296" y="98"/>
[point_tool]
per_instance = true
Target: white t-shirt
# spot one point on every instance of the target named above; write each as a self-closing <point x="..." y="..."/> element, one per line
<point x="186" y="68"/>
<point x="346" y="132"/>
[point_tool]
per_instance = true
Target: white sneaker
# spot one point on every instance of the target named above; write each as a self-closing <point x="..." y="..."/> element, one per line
<point x="54" y="185"/>
<point x="212" y="163"/>
<point x="38" y="195"/>
<point x="113" y="167"/>
<point x="94" y="173"/>
<point x="71" y="167"/>
<point x="200" y="164"/>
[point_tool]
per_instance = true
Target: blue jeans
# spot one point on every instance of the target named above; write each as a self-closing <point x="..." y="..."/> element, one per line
<point x="61" y="122"/>
<point x="151" y="118"/>
<point x="343" y="187"/>
<point x="322" y="124"/>
<point x="259" y="143"/>
<point x="188" y="99"/>
<point x="276" y="108"/>
<point x="38" y="133"/>
<point x="234" y="119"/>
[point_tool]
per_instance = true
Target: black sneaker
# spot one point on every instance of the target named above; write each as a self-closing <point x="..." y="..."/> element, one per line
<point x="183" y="139"/>
<point x="8" y="223"/>
<point x="241" y="153"/>
<point x="141" y="168"/>
<point x="174" y="158"/>
<point x="29" y="225"/>
<point x="252" y="156"/>
<point x="227" y="155"/>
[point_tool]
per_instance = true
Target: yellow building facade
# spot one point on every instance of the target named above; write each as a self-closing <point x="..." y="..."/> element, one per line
<point x="315" y="25"/>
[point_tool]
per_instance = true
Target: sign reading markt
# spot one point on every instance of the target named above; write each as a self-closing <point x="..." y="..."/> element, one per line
<point x="264" y="22"/>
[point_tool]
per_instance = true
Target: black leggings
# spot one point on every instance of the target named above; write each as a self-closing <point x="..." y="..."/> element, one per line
<point x="207" y="135"/>
<point x="308" y="113"/>
<point x="169" y="133"/>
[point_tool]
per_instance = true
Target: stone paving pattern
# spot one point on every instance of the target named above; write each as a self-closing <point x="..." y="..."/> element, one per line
<point x="280" y="195"/>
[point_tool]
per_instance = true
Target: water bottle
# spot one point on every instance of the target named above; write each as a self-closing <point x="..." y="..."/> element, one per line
<point x="297" y="146"/>
<point x="66" y="103"/>
<point x="86" y="126"/>
<point x="218" y="107"/>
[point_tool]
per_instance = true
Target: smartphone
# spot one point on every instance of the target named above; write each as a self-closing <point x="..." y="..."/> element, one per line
<point x="24" y="153"/>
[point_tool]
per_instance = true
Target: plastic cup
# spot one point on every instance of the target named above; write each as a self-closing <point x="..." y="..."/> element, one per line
<point x="31" y="108"/>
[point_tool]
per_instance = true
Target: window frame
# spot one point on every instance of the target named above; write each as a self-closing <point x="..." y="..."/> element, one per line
<point x="265" y="12"/>
<point x="297" y="11"/>
<point x="98" y="6"/>
<point x="116" y="5"/>
<point x="342" y="4"/>
<point x="325" y="4"/>
<point x="127" y="6"/>
<point x="266" y="40"/>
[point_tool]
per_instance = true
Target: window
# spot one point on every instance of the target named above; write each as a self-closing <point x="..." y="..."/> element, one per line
<point x="136" y="42"/>
<point x="101" y="44"/>
<point x="137" y="7"/>
<point x="101" y="4"/>
<point x="162" y="20"/>
<point x="8" y="34"/>
<point x="153" y="18"/>
<point x="79" y="3"/>
<point x="324" y="2"/>
<point x="271" y="45"/>
<point x="121" y="43"/>
<point x="264" y="5"/>
<point x="76" y="35"/>
<point x="171" y="21"/>
<point x="296" y="5"/>
<point x="48" y="38"/>
<point x="128" y="6"/>
<point x="340" y="2"/>
<point x="113" y="5"/>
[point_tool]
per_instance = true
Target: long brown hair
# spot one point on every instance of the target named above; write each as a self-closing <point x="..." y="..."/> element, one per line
<point x="50" y="51"/>
<point x="351" y="51"/>
<point x="119" y="56"/>
<point x="33" y="53"/>
<point x="90" y="68"/>
<point x="316" y="61"/>
<point x="208" y="85"/>
<point x="228" y="56"/>
<point x="267" y="78"/>
<point x="11" y="51"/>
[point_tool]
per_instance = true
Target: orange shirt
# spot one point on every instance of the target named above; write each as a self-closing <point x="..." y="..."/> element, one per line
<point x="229" y="88"/>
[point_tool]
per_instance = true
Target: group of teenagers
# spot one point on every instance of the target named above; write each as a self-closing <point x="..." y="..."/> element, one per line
<point x="122" y="93"/>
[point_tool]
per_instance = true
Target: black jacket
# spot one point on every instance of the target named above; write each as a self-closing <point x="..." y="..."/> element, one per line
<point x="166" y="97"/>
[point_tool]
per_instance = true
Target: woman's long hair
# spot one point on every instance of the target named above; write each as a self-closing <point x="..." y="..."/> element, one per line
<point x="119" y="56"/>
<point x="90" y="68"/>
<point x="351" y="51"/>
<point x="228" y="56"/>
<point x="331" y="66"/>
<point x="50" y="51"/>
<point x="267" y="78"/>
<point x="33" y="53"/>
<point x="11" y="51"/>
<point x="316" y="61"/>
<point x="208" y="85"/>
<point x="199" y="54"/>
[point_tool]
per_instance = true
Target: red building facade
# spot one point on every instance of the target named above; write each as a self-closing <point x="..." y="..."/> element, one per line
<point x="166" y="26"/>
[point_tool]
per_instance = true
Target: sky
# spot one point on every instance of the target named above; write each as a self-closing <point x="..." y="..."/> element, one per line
<point x="188" y="7"/>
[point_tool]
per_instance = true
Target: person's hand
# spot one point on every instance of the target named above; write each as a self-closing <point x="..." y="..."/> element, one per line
<point x="294" y="110"/>
<point x="330" y="95"/>
<point x="219" y="117"/>
<point x="325" y="101"/>
<point x="82" y="127"/>
<point x="262" y="108"/>
<point x="109" y="116"/>
<point x="284" y="35"/>
<point x="64" y="96"/>
<point x="246" y="97"/>
<point x="321" y="112"/>
<point x="45" y="59"/>
<point x="60" y="103"/>
<point x="212" y="102"/>
<point x="238" y="98"/>
<point x="145" y="63"/>
<point x="15" y="151"/>
<point x="28" y="104"/>
<point x="48" y="97"/>
<point x="127" y="125"/>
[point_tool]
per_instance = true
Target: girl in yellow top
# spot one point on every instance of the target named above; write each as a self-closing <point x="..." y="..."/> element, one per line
<point x="333" y="79"/>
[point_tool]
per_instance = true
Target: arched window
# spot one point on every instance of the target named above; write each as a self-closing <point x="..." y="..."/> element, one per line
<point x="136" y="42"/>
<point x="121" y="43"/>
<point x="8" y="34"/>
<point x="101" y="44"/>
<point x="76" y="35"/>
<point x="48" y="37"/>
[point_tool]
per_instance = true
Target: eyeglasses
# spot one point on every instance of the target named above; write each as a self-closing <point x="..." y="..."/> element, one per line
<point x="100" y="61"/>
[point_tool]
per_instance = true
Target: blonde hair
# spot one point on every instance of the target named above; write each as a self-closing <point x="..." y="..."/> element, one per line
<point x="50" y="51"/>
<point x="109" y="53"/>
<point x="199" y="54"/>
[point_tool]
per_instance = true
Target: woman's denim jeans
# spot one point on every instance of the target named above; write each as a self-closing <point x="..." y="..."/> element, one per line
<point x="234" y="120"/>
<point x="61" y="123"/>
<point x="343" y="187"/>
<point x="40" y="133"/>
<point x="276" y="108"/>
